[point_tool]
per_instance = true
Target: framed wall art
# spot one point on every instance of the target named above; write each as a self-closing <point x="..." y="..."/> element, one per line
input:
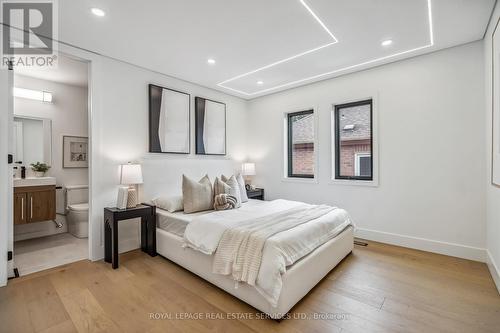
<point x="169" y="120"/>
<point x="75" y="152"/>
<point x="210" y="119"/>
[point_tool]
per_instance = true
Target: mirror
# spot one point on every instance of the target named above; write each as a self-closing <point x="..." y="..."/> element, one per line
<point x="32" y="140"/>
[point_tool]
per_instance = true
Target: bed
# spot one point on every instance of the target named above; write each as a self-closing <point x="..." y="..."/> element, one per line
<point x="176" y="230"/>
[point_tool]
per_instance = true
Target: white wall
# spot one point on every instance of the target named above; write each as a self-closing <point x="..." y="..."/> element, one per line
<point x="492" y="191"/>
<point x="432" y="155"/>
<point x="119" y="132"/>
<point x="432" y="167"/>
<point x="69" y="116"/>
<point x="68" y="113"/>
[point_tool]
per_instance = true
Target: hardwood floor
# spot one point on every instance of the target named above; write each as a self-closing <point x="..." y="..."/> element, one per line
<point x="379" y="288"/>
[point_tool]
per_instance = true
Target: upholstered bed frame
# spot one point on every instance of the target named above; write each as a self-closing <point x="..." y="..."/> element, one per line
<point x="298" y="280"/>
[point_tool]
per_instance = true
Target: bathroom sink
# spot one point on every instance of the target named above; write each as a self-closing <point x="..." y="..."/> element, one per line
<point x="34" y="181"/>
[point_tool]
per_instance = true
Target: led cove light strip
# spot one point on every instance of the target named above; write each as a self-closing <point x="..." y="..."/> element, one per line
<point x="317" y="19"/>
<point x="335" y="40"/>
<point x="431" y="43"/>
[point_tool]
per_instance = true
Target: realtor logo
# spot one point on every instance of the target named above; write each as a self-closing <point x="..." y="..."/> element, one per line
<point x="28" y="33"/>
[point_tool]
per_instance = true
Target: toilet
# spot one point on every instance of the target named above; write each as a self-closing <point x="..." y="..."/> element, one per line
<point x="77" y="213"/>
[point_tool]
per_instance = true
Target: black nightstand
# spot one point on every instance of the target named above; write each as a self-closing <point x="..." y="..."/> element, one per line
<point x="258" y="194"/>
<point x="113" y="215"/>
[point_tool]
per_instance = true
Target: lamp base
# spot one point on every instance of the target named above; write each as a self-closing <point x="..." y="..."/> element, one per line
<point x="132" y="198"/>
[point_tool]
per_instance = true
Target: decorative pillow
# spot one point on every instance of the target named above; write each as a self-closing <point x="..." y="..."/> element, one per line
<point x="234" y="188"/>
<point x="243" y="190"/>
<point x="171" y="204"/>
<point x="221" y="187"/>
<point x="224" y="201"/>
<point x="198" y="196"/>
<point x="241" y="183"/>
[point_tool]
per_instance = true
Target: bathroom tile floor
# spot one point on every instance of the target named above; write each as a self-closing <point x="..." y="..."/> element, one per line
<point x="33" y="255"/>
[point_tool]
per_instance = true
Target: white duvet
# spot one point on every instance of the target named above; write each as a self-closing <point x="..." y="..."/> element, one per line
<point x="280" y="250"/>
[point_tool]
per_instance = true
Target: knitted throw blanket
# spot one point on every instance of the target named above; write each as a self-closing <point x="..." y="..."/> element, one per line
<point x="224" y="201"/>
<point x="239" y="252"/>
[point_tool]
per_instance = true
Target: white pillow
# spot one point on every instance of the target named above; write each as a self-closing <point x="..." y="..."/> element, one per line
<point x="234" y="188"/>
<point x="172" y="204"/>
<point x="241" y="183"/>
<point x="198" y="196"/>
<point x="221" y="187"/>
<point x="243" y="190"/>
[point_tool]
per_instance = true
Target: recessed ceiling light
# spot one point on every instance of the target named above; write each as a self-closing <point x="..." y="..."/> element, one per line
<point x="211" y="61"/>
<point x="386" y="42"/>
<point x="98" y="12"/>
<point x="260" y="83"/>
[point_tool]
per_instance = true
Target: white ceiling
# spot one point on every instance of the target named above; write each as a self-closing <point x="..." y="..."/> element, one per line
<point x="284" y="43"/>
<point x="68" y="71"/>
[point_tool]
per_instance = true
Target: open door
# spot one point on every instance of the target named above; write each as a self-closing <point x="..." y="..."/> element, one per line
<point x="6" y="178"/>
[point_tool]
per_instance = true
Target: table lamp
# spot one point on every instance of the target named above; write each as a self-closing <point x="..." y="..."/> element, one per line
<point x="248" y="170"/>
<point x="131" y="175"/>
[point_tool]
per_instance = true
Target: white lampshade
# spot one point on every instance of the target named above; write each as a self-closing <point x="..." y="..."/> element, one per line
<point x="131" y="174"/>
<point x="248" y="169"/>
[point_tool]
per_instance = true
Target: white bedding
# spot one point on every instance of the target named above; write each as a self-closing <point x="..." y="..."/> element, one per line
<point x="204" y="232"/>
<point x="175" y="223"/>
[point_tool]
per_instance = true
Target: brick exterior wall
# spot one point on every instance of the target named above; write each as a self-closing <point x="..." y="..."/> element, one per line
<point x="303" y="146"/>
<point x="303" y="159"/>
<point x="357" y="140"/>
<point x="348" y="153"/>
<point x="353" y="141"/>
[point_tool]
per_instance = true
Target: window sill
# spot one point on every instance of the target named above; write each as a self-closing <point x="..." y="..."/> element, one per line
<point x="351" y="182"/>
<point x="299" y="180"/>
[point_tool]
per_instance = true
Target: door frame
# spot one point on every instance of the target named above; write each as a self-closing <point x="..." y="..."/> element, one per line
<point x="6" y="179"/>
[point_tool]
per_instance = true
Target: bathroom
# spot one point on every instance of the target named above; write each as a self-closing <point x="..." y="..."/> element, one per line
<point x="51" y="166"/>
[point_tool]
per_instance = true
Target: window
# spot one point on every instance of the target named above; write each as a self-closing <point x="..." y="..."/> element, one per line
<point x="300" y="144"/>
<point x="363" y="165"/>
<point x="354" y="141"/>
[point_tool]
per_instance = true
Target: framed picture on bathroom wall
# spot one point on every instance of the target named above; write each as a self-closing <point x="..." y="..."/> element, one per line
<point x="75" y="152"/>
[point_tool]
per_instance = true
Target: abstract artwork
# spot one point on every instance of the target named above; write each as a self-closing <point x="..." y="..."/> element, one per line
<point x="210" y="118"/>
<point x="75" y="152"/>
<point x="169" y="120"/>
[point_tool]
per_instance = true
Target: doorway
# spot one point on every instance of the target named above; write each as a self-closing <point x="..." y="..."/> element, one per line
<point x="50" y="145"/>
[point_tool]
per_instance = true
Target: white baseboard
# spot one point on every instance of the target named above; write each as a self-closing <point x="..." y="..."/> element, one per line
<point x="449" y="249"/>
<point x="495" y="272"/>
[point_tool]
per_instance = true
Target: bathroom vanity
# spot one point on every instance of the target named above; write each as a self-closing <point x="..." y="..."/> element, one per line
<point x="34" y="200"/>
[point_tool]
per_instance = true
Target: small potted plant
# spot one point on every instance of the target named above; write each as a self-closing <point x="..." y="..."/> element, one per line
<point x="39" y="169"/>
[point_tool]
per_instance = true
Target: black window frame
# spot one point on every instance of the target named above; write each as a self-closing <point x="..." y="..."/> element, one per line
<point x="337" y="110"/>
<point x="290" y="144"/>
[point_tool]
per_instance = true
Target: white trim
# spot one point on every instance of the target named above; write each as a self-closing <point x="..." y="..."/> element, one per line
<point x="430" y="44"/>
<point x="6" y="233"/>
<point x="284" y="144"/>
<point x="357" y="162"/>
<point x="300" y="180"/>
<point x="375" y="146"/>
<point x="424" y="244"/>
<point x="353" y="182"/>
<point x="494" y="271"/>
